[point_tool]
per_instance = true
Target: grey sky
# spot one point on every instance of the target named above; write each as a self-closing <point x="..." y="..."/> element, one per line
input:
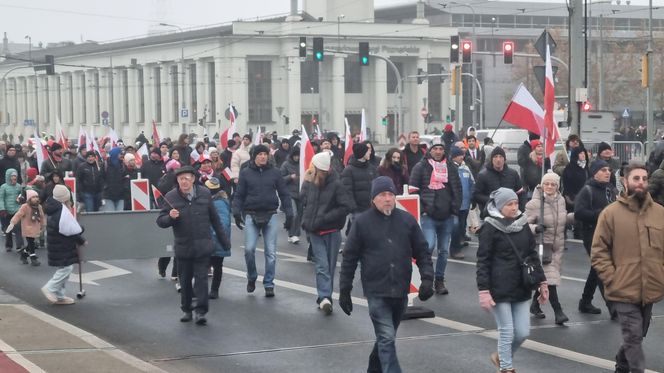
<point x="77" y="20"/>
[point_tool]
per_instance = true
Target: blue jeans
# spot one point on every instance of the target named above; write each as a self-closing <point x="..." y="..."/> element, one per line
<point x="438" y="234"/>
<point x="56" y="284"/>
<point x="326" y="250"/>
<point x="385" y="315"/>
<point x="513" y="322"/>
<point x="92" y="201"/>
<point x="110" y="205"/>
<point x="270" y="239"/>
<point x="459" y="232"/>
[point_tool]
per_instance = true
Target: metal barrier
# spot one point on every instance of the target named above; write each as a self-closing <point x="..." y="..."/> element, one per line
<point x="623" y="150"/>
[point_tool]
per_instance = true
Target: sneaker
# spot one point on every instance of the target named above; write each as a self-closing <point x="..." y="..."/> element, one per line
<point x="186" y="317"/>
<point x="64" y="301"/>
<point x="326" y="306"/>
<point x="251" y="286"/>
<point x="294" y="239"/>
<point x="290" y="239"/>
<point x="200" y="318"/>
<point x="439" y="287"/>
<point x="50" y="296"/>
<point x="269" y="292"/>
<point x="178" y="288"/>
<point x="210" y="272"/>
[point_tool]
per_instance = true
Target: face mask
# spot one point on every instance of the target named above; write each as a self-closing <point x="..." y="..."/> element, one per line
<point x="581" y="163"/>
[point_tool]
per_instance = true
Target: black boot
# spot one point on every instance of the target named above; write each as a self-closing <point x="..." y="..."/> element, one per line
<point x="561" y="318"/>
<point x="34" y="261"/>
<point x="585" y="306"/>
<point x="535" y="309"/>
<point x="440" y="288"/>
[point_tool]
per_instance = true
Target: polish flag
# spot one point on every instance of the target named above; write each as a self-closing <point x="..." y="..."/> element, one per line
<point x="228" y="134"/>
<point x="363" y="127"/>
<point x="82" y="136"/>
<point x="156" y="194"/>
<point x="89" y="141"/>
<point x="226" y="173"/>
<point x="258" y="136"/>
<point x="142" y="151"/>
<point x="523" y="111"/>
<point x="306" y="154"/>
<point x="551" y="134"/>
<point x="42" y="154"/>
<point x="319" y="133"/>
<point x="349" y="143"/>
<point x="113" y="137"/>
<point x="155" y="133"/>
<point x="60" y="134"/>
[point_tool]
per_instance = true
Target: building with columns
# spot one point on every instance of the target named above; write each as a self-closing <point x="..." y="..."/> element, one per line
<point x="186" y="78"/>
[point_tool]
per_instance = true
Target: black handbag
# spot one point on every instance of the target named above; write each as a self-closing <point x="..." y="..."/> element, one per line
<point x="261" y="218"/>
<point x="529" y="277"/>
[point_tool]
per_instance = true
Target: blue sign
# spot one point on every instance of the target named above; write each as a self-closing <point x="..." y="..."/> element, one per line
<point x="29" y="122"/>
<point x="184" y="113"/>
<point x="104" y="122"/>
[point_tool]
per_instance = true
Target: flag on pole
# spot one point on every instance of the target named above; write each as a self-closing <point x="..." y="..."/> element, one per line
<point x="551" y="128"/>
<point x="42" y="154"/>
<point x="113" y="137"/>
<point x="227" y="173"/>
<point x="156" y="194"/>
<point x="142" y="151"/>
<point x="60" y="134"/>
<point x="155" y="133"/>
<point x="306" y="154"/>
<point x="90" y="140"/>
<point x="257" y="137"/>
<point x="82" y="136"/>
<point x="524" y="112"/>
<point x="363" y="127"/>
<point x="228" y="134"/>
<point x="349" y="143"/>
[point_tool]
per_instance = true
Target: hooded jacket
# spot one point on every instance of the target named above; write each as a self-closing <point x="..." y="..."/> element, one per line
<point x="9" y="193"/>
<point x="281" y="155"/>
<point x="574" y="177"/>
<point x="357" y="178"/>
<point x="324" y="208"/>
<point x="289" y="167"/>
<point x="89" y="179"/>
<point x="489" y="179"/>
<point x="656" y="184"/>
<point x="442" y="203"/>
<point x="628" y="251"/>
<point x="5" y="164"/>
<point x="114" y="175"/>
<point x="589" y="203"/>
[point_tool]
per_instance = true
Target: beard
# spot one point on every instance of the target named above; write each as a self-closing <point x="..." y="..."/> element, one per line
<point x="639" y="195"/>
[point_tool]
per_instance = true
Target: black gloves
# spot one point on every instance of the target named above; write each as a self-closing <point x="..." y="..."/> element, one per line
<point x="426" y="290"/>
<point x="345" y="302"/>
<point x="239" y="221"/>
<point x="288" y="222"/>
<point x="540" y="228"/>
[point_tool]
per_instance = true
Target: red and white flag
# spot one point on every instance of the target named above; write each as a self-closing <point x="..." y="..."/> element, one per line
<point x="228" y="134"/>
<point x="306" y="154"/>
<point x="142" y="151"/>
<point x="82" y="136"/>
<point x="258" y="136"/>
<point x="113" y="137"/>
<point x="155" y="134"/>
<point x="363" y="127"/>
<point x="156" y="194"/>
<point x="524" y="111"/>
<point x="60" y="134"/>
<point x="226" y="173"/>
<point x="349" y="143"/>
<point x="40" y="149"/>
<point x="551" y="133"/>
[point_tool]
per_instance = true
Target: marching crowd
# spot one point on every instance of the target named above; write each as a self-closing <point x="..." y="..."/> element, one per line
<point x="465" y="188"/>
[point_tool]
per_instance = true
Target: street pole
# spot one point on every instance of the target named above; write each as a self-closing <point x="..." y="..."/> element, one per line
<point x="600" y="63"/>
<point x="649" y="117"/>
<point x="576" y="64"/>
<point x="472" y="87"/>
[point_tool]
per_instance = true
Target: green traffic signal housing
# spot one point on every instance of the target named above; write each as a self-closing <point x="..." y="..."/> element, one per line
<point x="364" y="53"/>
<point x="318" y="49"/>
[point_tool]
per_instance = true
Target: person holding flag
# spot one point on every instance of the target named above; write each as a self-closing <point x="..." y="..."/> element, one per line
<point x="55" y="161"/>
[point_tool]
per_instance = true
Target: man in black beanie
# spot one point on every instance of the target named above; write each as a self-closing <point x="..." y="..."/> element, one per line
<point x="384" y="239"/>
<point x="605" y="153"/>
<point x="56" y="161"/>
<point x="496" y="174"/>
<point x="357" y="177"/>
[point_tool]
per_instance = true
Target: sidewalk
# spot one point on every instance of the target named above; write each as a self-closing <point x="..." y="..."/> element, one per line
<point x="33" y="341"/>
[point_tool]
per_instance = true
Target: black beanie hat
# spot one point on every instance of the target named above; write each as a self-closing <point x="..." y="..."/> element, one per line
<point x="602" y="147"/>
<point x="360" y="150"/>
<point x="597" y="165"/>
<point x="382" y="184"/>
<point x="259" y="149"/>
<point x="497" y="151"/>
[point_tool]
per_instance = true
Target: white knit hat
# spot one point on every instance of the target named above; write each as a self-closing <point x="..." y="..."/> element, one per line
<point x="322" y="161"/>
<point x="551" y="176"/>
<point x="61" y="193"/>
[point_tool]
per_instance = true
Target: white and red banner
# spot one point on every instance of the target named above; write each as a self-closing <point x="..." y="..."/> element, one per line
<point x="40" y="149"/>
<point x="60" y="134"/>
<point x="258" y="137"/>
<point x="226" y="173"/>
<point x="70" y="182"/>
<point x="306" y="154"/>
<point x="349" y="143"/>
<point x="524" y="111"/>
<point x="82" y="136"/>
<point x="113" y="137"/>
<point x="156" y="194"/>
<point x="155" y="134"/>
<point x="140" y="194"/>
<point x="551" y="133"/>
<point x="228" y="134"/>
<point x="363" y="127"/>
<point x="142" y="151"/>
<point x="410" y="204"/>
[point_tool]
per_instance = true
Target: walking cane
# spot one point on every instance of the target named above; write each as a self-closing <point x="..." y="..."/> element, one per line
<point x="81" y="292"/>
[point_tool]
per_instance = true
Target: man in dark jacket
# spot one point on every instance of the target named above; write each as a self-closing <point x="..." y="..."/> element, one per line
<point x="89" y="183"/>
<point x="56" y="161"/>
<point x="439" y="186"/>
<point x="282" y="153"/>
<point x="523" y="154"/>
<point x="290" y="170"/>
<point x="474" y="158"/>
<point x="256" y="200"/>
<point x="357" y="177"/>
<point x="495" y="175"/>
<point x="384" y="239"/>
<point x="191" y="214"/>
<point x="153" y="169"/>
<point x="412" y="150"/>
<point x="589" y="203"/>
<point x="80" y="158"/>
<point x="10" y="161"/>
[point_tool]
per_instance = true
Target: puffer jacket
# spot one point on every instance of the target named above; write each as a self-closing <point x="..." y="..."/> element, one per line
<point x="531" y="173"/>
<point x="628" y="251"/>
<point x="114" y="175"/>
<point x="489" y="180"/>
<point x="29" y="227"/>
<point x="191" y="230"/>
<point x="555" y="220"/>
<point x="326" y="208"/>
<point x="223" y="208"/>
<point x="589" y="203"/>
<point x="357" y="178"/>
<point x="61" y="249"/>
<point x="89" y="179"/>
<point x="257" y="190"/>
<point x="442" y="203"/>
<point x="288" y="168"/>
<point x="9" y="194"/>
<point x="656" y="184"/>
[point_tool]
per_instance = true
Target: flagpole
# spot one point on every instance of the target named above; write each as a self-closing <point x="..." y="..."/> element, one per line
<point x="506" y="110"/>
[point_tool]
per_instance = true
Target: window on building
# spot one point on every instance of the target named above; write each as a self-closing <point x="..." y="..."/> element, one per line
<point x="156" y="79"/>
<point x="212" y="101"/>
<point x="352" y="76"/>
<point x="81" y="87"/>
<point x="125" y="96"/>
<point x="260" y="91"/>
<point x="141" y="96"/>
<point x="193" y="112"/>
<point x="174" y="90"/>
<point x="309" y="77"/>
<point x="392" y="77"/>
<point x="435" y="91"/>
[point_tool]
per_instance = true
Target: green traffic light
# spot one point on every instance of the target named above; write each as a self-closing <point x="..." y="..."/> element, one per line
<point x="319" y="56"/>
<point x="365" y="60"/>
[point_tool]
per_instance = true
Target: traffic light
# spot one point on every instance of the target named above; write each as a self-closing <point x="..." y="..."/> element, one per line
<point x="314" y="121"/>
<point x="466" y="51"/>
<point x="508" y="52"/>
<point x="384" y="121"/>
<point x="303" y="46"/>
<point x="364" y="53"/>
<point x="419" y="78"/>
<point x="454" y="49"/>
<point x="318" y="49"/>
<point x="586" y="106"/>
<point x="644" y="70"/>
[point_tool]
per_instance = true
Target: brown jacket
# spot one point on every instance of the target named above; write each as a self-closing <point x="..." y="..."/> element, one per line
<point x="628" y="251"/>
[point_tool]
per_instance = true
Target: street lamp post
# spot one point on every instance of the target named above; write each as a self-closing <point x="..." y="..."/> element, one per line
<point x="181" y="62"/>
<point x="649" y="117"/>
<point x="339" y="18"/>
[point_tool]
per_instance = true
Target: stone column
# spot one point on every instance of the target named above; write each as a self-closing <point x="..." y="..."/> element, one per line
<point x="12" y="105"/>
<point x="149" y="98"/>
<point x="337" y="107"/>
<point x="117" y="114"/>
<point x="168" y="121"/>
<point x="54" y="102"/>
<point x="131" y="130"/>
<point x="221" y="80"/>
<point x="294" y="108"/>
<point x="240" y="92"/>
<point x="416" y="122"/>
<point x="380" y="99"/>
<point x="201" y="96"/>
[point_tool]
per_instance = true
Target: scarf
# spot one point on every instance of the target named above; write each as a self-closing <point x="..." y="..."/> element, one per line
<point x="438" y="174"/>
<point x="498" y="221"/>
<point x="581" y="163"/>
<point x="35" y="216"/>
<point x="205" y="176"/>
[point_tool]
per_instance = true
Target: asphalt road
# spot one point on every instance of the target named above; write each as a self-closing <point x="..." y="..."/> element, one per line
<point x="138" y="312"/>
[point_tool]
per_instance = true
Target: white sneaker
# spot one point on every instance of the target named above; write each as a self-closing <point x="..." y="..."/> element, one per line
<point x="65" y="301"/>
<point x="295" y="239"/>
<point x="50" y="296"/>
<point x="290" y="239"/>
<point x="326" y="306"/>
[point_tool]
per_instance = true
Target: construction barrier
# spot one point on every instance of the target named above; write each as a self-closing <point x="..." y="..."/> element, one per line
<point x="70" y="182"/>
<point x="140" y="194"/>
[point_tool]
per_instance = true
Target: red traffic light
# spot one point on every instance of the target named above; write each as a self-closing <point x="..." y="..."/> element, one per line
<point x="466" y="51"/>
<point x="586" y="106"/>
<point x="508" y="52"/>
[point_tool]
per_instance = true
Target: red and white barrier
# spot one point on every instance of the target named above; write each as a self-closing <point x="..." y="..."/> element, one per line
<point x="140" y="194"/>
<point x="411" y="204"/>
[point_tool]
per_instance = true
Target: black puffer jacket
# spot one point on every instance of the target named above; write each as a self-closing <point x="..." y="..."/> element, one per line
<point x="288" y="168"/>
<point x="115" y="179"/>
<point x="89" y="179"/>
<point x="438" y="204"/>
<point x="498" y="269"/>
<point x="257" y="190"/>
<point x="191" y="230"/>
<point x="326" y="208"/>
<point x="357" y="178"/>
<point x="385" y="246"/>
<point x="61" y="249"/>
<point x="153" y="171"/>
<point x="574" y="177"/>
<point x="589" y="203"/>
<point x="531" y="174"/>
<point x="489" y="180"/>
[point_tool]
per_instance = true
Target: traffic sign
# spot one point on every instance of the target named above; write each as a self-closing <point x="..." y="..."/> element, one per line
<point x="540" y="44"/>
<point x="104" y="114"/>
<point x="29" y="122"/>
<point x="626" y="113"/>
<point x="184" y="113"/>
<point x="104" y="122"/>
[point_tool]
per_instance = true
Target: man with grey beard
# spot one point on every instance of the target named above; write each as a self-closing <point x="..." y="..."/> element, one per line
<point x="627" y="255"/>
<point x="384" y="239"/>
